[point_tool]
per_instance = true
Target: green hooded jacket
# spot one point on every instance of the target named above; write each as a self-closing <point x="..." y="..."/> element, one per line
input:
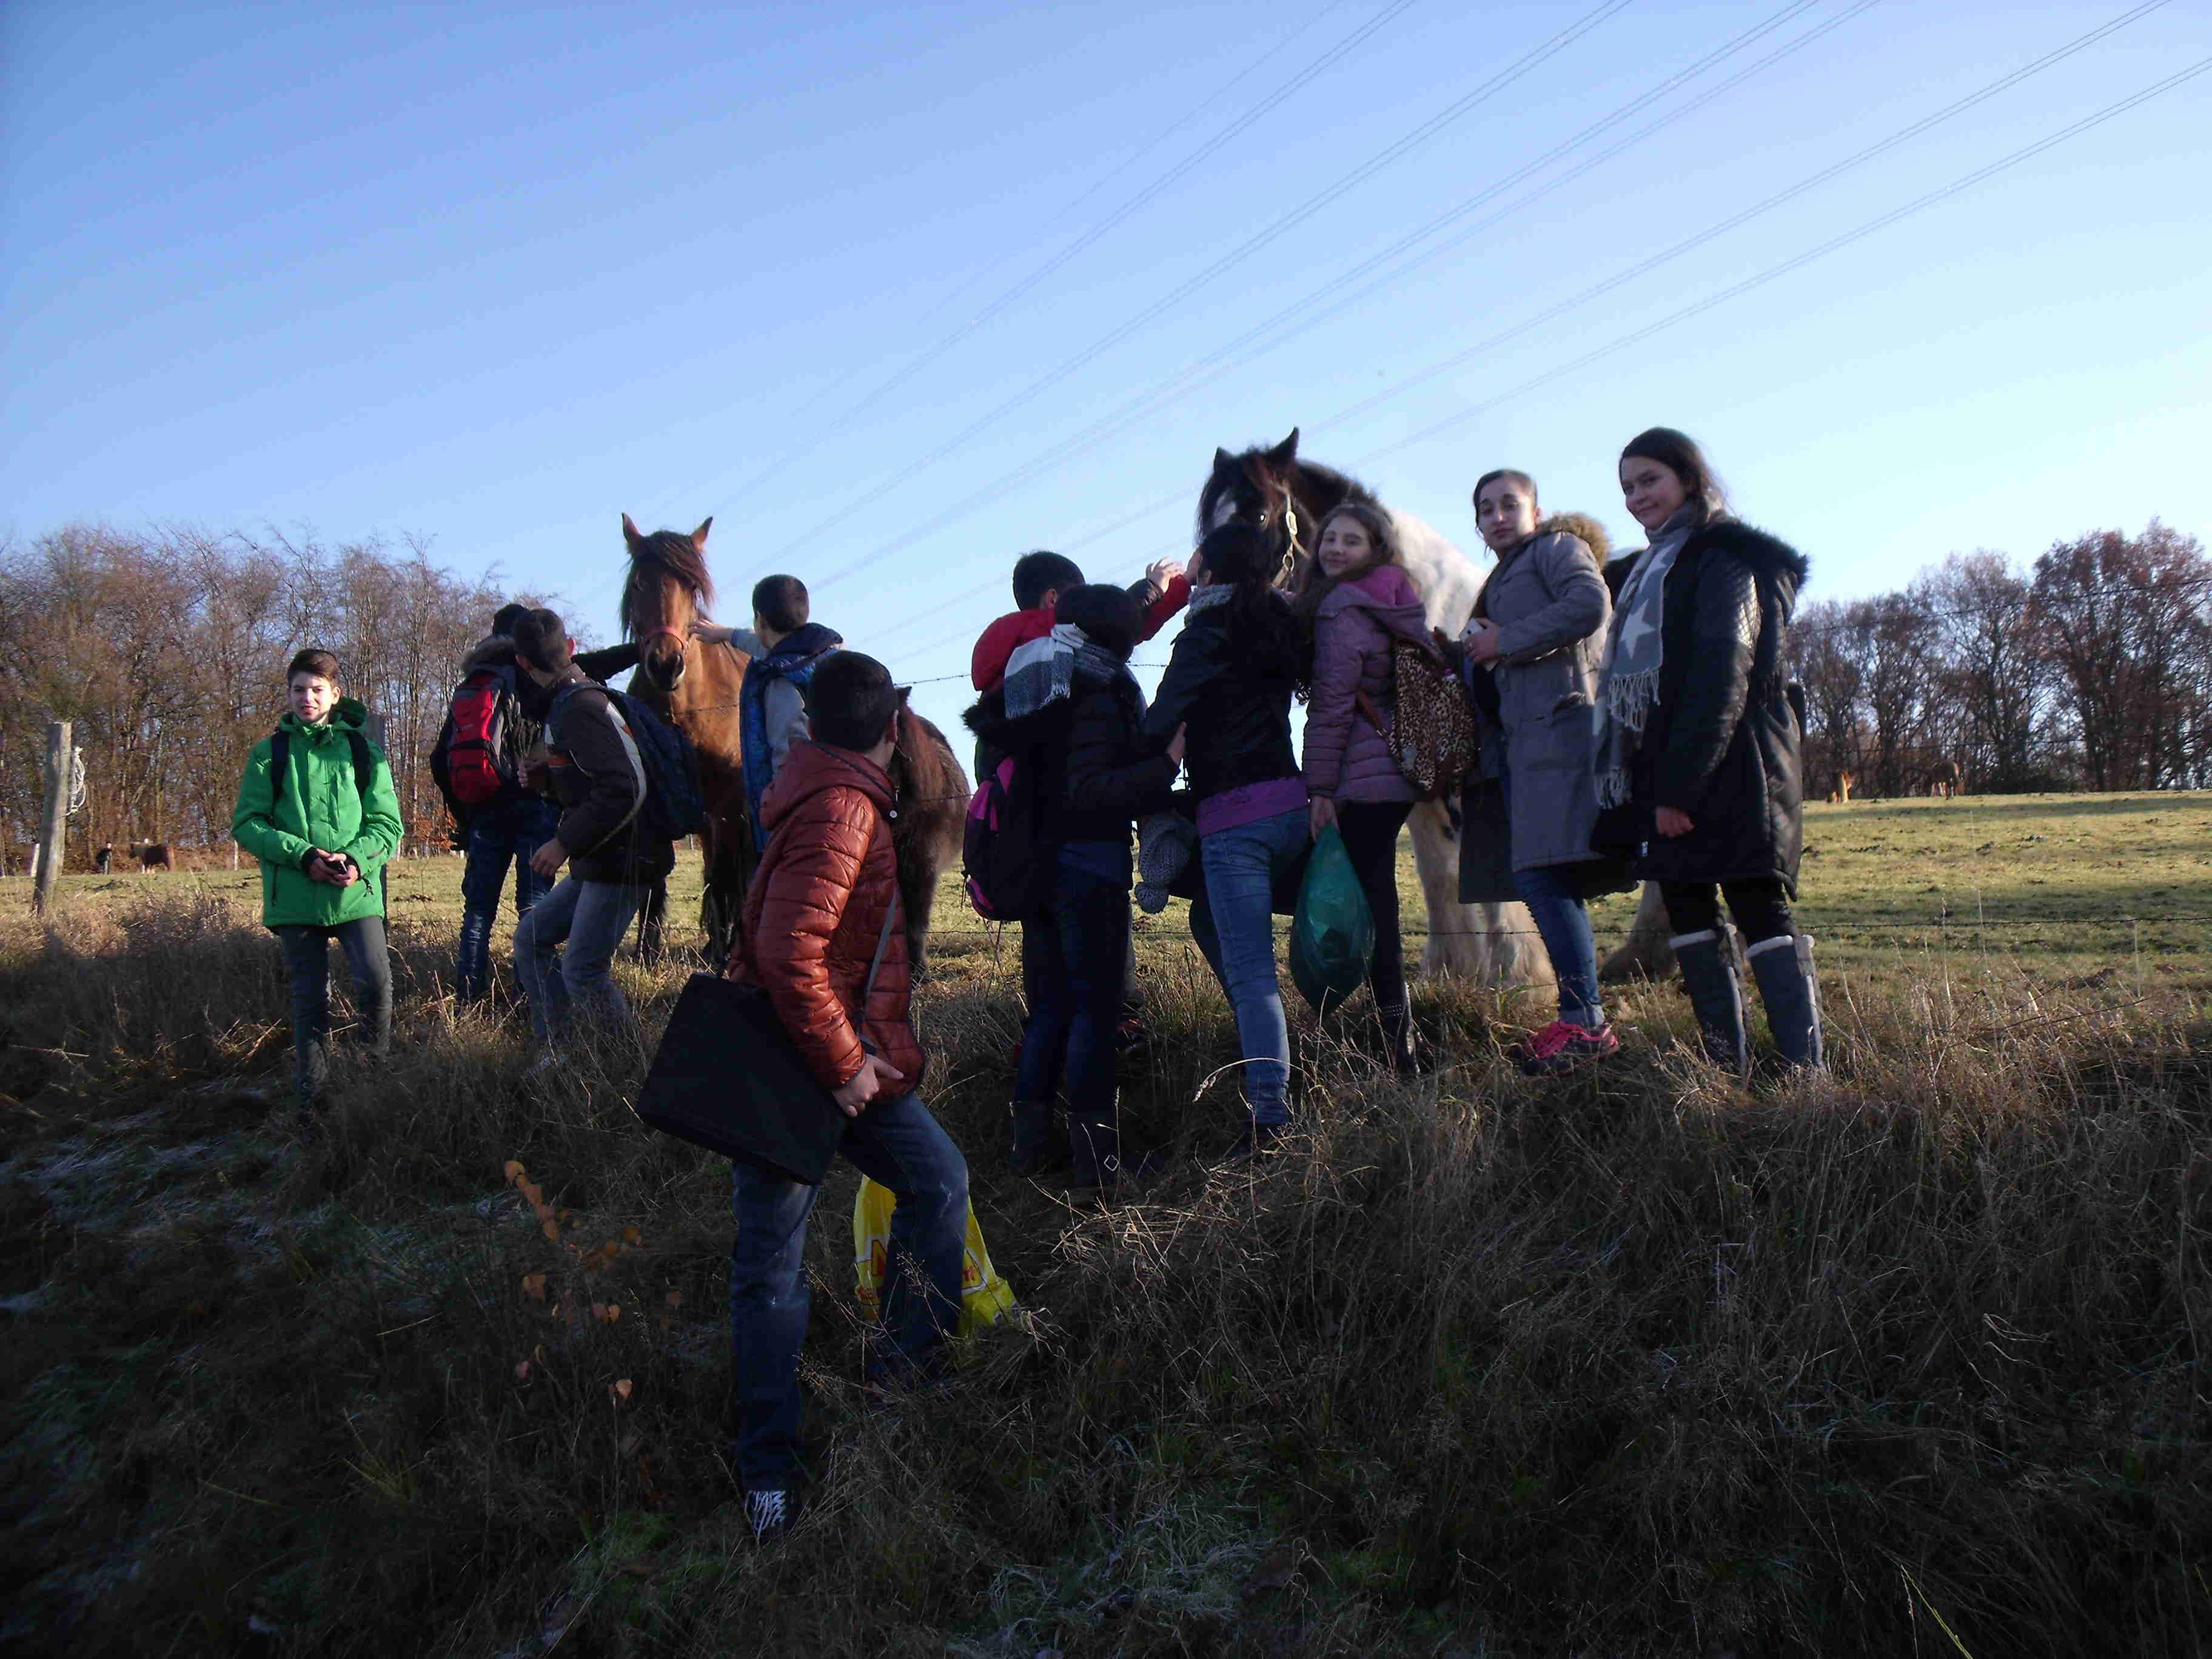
<point x="317" y="804"/>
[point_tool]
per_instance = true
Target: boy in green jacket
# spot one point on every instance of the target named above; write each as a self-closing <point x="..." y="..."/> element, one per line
<point x="322" y="826"/>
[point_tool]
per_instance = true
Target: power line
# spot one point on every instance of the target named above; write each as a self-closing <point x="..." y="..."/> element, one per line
<point x="1643" y="267"/>
<point x="1143" y="198"/>
<point x="1254" y="341"/>
<point x="1244" y="250"/>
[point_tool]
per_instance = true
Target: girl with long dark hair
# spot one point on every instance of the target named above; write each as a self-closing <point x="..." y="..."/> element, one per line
<point x="1698" y="766"/>
<point x="1355" y="601"/>
<point x="1534" y="643"/>
<point x="1230" y="680"/>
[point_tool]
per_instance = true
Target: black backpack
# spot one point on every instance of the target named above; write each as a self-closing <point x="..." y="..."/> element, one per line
<point x="364" y="774"/>
<point x="675" y="805"/>
<point x="1000" y="854"/>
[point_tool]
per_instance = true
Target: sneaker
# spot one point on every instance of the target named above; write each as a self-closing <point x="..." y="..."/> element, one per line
<point x="547" y="1065"/>
<point x="768" y="1514"/>
<point x="1560" y="1047"/>
<point x="1131" y="1034"/>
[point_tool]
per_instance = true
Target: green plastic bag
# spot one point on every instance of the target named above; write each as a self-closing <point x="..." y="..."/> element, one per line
<point x="1333" y="934"/>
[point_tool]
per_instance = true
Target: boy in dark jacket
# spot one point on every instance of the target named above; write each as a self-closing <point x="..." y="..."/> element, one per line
<point x="827" y="883"/>
<point x="596" y="775"/>
<point x="510" y="829"/>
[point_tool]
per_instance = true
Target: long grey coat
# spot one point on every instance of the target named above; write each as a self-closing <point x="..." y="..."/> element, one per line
<point x="1549" y="602"/>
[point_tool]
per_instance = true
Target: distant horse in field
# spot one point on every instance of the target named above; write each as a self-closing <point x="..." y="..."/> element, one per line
<point x="155" y="855"/>
<point x="931" y="804"/>
<point x="1272" y="488"/>
<point x="695" y="688"/>
<point x="1943" y="779"/>
<point x="1844" y="783"/>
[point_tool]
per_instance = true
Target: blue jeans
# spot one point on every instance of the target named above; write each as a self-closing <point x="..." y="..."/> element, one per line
<point x="590" y="917"/>
<point x="895" y="1141"/>
<point x="1233" y="924"/>
<point x="1554" y="893"/>
<point x="308" y="962"/>
<point x="1075" y="998"/>
<point x="506" y="832"/>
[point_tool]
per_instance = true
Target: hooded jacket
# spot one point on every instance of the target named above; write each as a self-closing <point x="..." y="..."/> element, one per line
<point x="772" y="704"/>
<point x="1724" y="742"/>
<point x="816" y="909"/>
<point x="1347" y="758"/>
<point x="319" y="803"/>
<point x="596" y="773"/>
<point x="496" y="651"/>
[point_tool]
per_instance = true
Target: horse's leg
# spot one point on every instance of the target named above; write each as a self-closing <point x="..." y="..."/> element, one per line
<point x="1645" y="951"/>
<point x="1490" y="943"/>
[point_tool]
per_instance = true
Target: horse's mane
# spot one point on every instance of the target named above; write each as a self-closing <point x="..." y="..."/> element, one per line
<point x="665" y="554"/>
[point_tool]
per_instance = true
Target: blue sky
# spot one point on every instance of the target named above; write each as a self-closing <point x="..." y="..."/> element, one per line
<point x="498" y="275"/>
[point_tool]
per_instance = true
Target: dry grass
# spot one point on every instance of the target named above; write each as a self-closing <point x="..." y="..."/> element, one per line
<point x="1906" y="1360"/>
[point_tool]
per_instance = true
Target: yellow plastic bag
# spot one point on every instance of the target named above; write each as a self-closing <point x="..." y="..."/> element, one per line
<point x="985" y="1297"/>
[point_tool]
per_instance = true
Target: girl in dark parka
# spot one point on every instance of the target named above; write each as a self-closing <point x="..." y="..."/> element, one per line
<point x="1698" y="760"/>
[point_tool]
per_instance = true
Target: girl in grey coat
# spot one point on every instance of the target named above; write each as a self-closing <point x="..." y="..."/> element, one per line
<point x="1533" y="648"/>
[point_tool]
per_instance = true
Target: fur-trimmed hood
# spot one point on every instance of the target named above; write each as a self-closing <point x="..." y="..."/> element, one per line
<point x="1582" y="525"/>
<point x="493" y="651"/>
<point x="1767" y="555"/>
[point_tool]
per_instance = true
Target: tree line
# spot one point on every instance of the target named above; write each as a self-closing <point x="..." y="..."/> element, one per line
<point x="2090" y="668"/>
<point x="167" y="649"/>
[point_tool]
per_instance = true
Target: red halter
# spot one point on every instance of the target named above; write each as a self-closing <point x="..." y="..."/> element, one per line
<point x="651" y="633"/>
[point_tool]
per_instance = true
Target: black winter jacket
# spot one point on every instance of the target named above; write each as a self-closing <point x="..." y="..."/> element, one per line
<point x="1238" y="710"/>
<point x="1095" y="772"/>
<point x="1723" y="741"/>
<point x="598" y="776"/>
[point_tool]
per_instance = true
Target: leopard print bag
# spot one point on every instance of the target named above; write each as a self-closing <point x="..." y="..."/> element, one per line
<point x="1432" y="735"/>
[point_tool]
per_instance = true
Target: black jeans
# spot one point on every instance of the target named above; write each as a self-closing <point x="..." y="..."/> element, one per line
<point x="1761" y="907"/>
<point x="1369" y="828"/>
<point x="307" y="960"/>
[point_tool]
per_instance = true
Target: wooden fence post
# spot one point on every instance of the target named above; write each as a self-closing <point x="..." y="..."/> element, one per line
<point x="55" y="826"/>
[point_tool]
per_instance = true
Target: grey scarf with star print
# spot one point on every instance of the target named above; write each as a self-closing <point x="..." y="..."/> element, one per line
<point x="1629" y="687"/>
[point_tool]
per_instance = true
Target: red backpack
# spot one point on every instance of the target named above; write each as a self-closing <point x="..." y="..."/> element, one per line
<point x="482" y="751"/>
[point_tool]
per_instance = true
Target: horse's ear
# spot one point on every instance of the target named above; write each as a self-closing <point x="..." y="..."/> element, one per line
<point x="1284" y="453"/>
<point x="905" y="692"/>
<point x="629" y="532"/>
<point x="1223" y="460"/>
<point x="699" y="535"/>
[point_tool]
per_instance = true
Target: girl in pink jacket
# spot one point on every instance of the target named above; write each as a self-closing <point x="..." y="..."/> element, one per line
<point x="1356" y="599"/>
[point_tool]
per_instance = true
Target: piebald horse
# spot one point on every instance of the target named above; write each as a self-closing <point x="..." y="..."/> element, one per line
<point x="1495" y="944"/>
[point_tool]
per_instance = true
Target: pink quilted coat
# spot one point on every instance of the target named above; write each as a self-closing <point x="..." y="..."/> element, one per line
<point x="1346" y="756"/>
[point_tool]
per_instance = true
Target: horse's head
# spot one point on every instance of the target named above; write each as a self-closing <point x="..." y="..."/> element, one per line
<point x="667" y="590"/>
<point x="1258" y="488"/>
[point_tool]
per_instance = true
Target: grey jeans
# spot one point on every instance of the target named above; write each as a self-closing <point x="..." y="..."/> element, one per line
<point x="307" y="960"/>
<point x="590" y="917"/>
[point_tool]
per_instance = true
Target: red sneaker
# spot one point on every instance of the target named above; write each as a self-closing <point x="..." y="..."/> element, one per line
<point x="1560" y="1047"/>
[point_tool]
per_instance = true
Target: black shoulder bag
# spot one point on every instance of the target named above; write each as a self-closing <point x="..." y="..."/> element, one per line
<point x="728" y="1077"/>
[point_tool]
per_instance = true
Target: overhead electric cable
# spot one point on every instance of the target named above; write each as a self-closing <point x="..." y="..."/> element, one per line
<point x="1735" y="290"/>
<point x="1241" y="350"/>
<point x="1251" y="246"/>
<point x="1327" y="60"/>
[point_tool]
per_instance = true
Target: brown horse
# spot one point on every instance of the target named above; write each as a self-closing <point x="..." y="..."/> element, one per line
<point x="696" y="687"/>
<point x="1273" y="490"/>
<point x="929" y="821"/>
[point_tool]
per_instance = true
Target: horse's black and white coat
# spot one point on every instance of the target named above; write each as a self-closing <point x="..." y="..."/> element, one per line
<point x="1272" y="488"/>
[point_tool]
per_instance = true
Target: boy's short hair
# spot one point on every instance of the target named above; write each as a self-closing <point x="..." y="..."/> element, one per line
<point x="504" y="619"/>
<point x="313" y="660"/>
<point x="780" y="602"/>
<point x="1038" y="573"/>
<point x="850" y="700"/>
<point x="541" y="640"/>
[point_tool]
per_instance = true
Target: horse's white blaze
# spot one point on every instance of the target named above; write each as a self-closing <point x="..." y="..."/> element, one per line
<point x="1494" y="942"/>
<point x="1224" y="510"/>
